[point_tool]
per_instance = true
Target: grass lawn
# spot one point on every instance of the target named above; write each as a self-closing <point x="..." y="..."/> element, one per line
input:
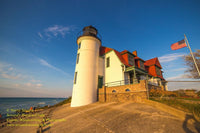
<point x="187" y="107"/>
<point x="189" y="98"/>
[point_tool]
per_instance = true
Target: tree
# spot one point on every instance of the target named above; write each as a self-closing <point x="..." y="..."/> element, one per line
<point x="191" y="66"/>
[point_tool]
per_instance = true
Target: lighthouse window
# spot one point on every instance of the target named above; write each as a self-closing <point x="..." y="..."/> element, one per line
<point x="75" y="77"/>
<point x="108" y="62"/>
<point x="77" y="60"/>
<point x="79" y="45"/>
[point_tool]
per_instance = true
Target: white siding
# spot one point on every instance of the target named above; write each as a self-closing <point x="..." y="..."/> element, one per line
<point x="101" y="66"/>
<point x="114" y="71"/>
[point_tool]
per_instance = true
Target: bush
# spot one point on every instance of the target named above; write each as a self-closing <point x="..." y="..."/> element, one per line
<point x="188" y="107"/>
<point x="161" y="93"/>
<point x="196" y="112"/>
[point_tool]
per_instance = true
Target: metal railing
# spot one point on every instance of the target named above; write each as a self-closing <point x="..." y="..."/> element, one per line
<point x="80" y="33"/>
<point x="119" y="83"/>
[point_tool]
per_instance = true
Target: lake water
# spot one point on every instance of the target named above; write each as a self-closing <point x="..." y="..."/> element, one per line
<point x="6" y="104"/>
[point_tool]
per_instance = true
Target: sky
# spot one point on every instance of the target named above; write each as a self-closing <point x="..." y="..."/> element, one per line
<point x="38" y="39"/>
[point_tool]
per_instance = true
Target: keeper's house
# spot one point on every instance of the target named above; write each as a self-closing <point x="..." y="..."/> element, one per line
<point x="106" y="74"/>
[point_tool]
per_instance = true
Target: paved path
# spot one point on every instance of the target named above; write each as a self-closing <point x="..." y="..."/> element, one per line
<point x="126" y="117"/>
<point x="119" y="118"/>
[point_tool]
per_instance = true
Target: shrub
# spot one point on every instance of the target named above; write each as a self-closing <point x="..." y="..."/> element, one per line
<point x="160" y="93"/>
<point x="196" y="112"/>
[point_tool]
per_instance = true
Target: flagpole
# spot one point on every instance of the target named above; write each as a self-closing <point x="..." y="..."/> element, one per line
<point x="187" y="43"/>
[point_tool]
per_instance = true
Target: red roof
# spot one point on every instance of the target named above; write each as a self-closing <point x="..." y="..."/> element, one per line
<point x="104" y="50"/>
<point x="153" y="61"/>
<point x="123" y="51"/>
<point x="138" y="58"/>
<point x="121" y="58"/>
<point x="124" y="59"/>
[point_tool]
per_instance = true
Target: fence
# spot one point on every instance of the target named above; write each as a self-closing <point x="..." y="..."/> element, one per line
<point x="119" y="83"/>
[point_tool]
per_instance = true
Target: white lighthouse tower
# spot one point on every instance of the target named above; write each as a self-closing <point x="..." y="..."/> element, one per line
<point x="86" y="71"/>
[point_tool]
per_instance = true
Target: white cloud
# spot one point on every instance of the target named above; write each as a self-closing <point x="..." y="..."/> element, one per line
<point x="40" y="35"/>
<point x="55" y="31"/>
<point x="178" y="69"/>
<point x="28" y="84"/>
<point x="45" y="63"/>
<point x="39" y="85"/>
<point x="31" y="85"/>
<point x="11" y="76"/>
<point x="181" y="76"/>
<point x="170" y="57"/>
<point x="33" y="80"/>
<point x="16" y="85"/>
<point x="7" y="71"/>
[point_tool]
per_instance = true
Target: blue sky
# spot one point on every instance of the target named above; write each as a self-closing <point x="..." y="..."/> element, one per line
<point x="38" y="39"/>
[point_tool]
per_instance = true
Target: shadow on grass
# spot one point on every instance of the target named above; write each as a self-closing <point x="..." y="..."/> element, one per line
<point x="196" y="124"/>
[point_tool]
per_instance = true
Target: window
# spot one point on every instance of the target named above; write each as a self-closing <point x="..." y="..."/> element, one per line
<point x="75" y="77"/>
<point x="158" y="71"/>
<point x="77" y="60"/>
<point x="100" y="81"/>
<point x="108" y="62"/>
<point x="113" y="91"/>
<point x="141" y="64"/>
<point x="131" y="60"/>
<point x="127" y="90"/>
<point x="79" y="45"/>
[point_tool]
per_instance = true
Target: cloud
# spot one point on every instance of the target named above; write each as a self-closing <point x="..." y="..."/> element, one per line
<point x="40" y="35"/>
<point x="178" y="69"/>
<point x="170" y="57"/>
<point x="38" y="92"/>
<point x="55" y="31"/>
<point x="39" y="85"/>
<point x="45" y="63"/>
<point x="7" y="71"/>
<point x="33" y="85"/>
<point x="181" y="76"/>
<point x="11" y="76"/>
<point x="33" y="80"/>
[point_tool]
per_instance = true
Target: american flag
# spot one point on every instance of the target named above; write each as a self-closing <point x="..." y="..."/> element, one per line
<point x="178" y="45"/>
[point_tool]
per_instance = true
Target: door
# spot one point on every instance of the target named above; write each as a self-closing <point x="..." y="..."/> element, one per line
<point x="100" y="81"/>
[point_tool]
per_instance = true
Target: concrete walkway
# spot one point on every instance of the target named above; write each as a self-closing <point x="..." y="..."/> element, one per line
<point x="119" y="118"/>
<point x="108" y="118"/>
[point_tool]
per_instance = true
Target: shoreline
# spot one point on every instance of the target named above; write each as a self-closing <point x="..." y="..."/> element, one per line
<point x="12" y="105"/>
<point x="103" y="117"/>
<point x="4" y="121"/>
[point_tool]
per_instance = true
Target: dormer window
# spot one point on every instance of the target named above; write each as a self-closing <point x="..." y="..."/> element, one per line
<point x="141" y="64"/>
<point x="131" y="60"/>
<point x="158" y="72"/>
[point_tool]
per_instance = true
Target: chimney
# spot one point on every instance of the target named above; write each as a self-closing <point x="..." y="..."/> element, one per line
<point x="134" y="53"/>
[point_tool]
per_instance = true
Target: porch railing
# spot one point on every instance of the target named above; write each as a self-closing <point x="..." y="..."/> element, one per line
<point x="119" y="83"/>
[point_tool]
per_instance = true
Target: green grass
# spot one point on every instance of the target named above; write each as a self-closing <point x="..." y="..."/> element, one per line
<point x="192" y="99"/>
<point x="58" y="104"/>
<point x="187" y="107"/>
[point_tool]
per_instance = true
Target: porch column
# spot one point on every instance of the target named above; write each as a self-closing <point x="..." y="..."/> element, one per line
<point x="134" y="76"/>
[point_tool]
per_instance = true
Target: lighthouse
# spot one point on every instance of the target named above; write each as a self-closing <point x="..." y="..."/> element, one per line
<point x="86" y="70"/>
